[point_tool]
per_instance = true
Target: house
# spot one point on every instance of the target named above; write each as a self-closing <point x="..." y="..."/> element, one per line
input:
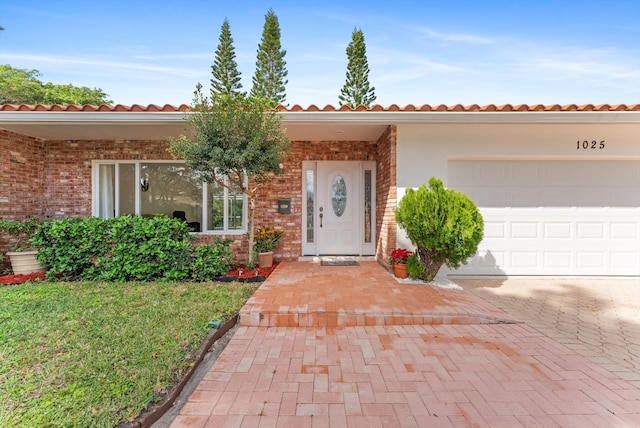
<point x="558" y="186"/>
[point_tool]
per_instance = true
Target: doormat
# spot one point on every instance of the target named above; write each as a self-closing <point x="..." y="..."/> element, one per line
<point x="339" y="263"/>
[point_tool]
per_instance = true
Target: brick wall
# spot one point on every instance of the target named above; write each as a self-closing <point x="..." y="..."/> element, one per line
<point x="21" y="181"/>
<point x="55" y="177"/>
<point x="386" y="195"/>
<point x="289" y="186"/>
<point x="67" y="189"/>
<point x="22" y="176"/>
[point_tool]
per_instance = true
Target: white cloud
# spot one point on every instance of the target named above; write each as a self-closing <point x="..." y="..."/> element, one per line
<point x="604" y="63"/>
<point x="472" y="39"/>
<point x="61" y="63"/>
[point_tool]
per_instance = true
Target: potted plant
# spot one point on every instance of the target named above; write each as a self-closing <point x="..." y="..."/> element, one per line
<point x="22" y="254"/>
<point x="266" y="240"/>
<point x="399" y="258"/>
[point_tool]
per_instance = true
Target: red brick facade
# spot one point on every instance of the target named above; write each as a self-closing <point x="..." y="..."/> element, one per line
<point x="21" y="176"/>
<point x="386" y="196"/>
<point x="52" y="179"/>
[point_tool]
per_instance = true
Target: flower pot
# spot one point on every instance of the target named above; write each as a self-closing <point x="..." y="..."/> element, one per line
<point x="400" y="270"/>
<point x="24" y="262"/>
<point x="265" y="259"/>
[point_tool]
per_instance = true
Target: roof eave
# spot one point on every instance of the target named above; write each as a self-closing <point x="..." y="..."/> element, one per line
<point x="350" y="117"/>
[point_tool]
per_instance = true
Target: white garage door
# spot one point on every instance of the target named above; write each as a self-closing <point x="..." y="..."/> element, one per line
<point x="554" y="217"/>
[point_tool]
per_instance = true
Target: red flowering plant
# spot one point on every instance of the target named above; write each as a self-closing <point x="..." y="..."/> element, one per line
<point x="399" y="256"/>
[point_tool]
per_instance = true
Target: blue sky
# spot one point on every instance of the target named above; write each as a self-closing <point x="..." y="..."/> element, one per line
<point x="419" y="52"/>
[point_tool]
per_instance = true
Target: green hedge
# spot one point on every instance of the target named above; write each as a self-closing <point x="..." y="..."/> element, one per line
<point x="128" y="248"/>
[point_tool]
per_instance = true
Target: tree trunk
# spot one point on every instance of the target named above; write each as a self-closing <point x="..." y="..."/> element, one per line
<point x="432" y="261"/>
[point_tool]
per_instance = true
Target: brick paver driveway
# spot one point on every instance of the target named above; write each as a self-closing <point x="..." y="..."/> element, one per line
<point x="351" y="347"/>
<point x="597" y="318"/>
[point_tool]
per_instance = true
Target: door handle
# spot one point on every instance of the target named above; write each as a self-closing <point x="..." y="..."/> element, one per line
<point x="321" y="209"/>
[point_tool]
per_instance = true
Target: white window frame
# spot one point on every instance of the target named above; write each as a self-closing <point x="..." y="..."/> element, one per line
<point x="95" y="200"/>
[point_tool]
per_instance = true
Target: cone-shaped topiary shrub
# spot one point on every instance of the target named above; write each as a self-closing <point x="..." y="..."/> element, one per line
<point x="444" y="225"/>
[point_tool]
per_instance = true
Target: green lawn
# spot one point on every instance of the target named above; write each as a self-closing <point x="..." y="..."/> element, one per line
<point x="96" y="354"/>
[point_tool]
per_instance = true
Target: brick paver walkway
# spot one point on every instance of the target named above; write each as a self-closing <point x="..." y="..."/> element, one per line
<point x="311" y="295"/>
<point x="452" y="365"/>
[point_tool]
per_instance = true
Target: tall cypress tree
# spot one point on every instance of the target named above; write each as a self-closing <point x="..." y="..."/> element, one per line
<point x="226" y="77"/>
<point x="357" y="90"/>
<point x="269" y="80"/>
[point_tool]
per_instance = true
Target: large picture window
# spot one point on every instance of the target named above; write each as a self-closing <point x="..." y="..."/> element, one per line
<point x="169" y="188"/>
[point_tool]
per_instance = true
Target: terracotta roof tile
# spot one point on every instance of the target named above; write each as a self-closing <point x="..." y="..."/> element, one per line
<point x="330" y="108"/>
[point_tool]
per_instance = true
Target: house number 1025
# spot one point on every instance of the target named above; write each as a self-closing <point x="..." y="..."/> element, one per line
<point x="589" y="145"/>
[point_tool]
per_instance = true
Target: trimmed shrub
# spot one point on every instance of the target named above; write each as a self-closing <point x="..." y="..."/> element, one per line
<point x="444" y="225"/>
<point x="146" y="249"/>
<point x="125" y="248"/>
<point x="415" y="270"/>
<point x="129" y="248"/>
<point x="70" y="247"/>
<point x="211" y="260"/>
<point x="18" y="233"/>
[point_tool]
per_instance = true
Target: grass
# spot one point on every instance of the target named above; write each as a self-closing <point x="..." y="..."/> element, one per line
<point x="97" y="354"/>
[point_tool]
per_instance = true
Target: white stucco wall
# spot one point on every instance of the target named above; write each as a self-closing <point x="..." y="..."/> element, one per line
<point x="424" y="151"/>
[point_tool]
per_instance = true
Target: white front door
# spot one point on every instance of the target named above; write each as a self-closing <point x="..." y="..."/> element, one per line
<point x="339" y="192"/>
<point x="338" y="216"/>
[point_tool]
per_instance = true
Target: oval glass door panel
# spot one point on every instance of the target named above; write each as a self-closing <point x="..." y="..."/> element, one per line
<point x="339" y="195"/>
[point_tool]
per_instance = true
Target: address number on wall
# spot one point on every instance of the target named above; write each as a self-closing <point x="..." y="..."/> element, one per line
<point x="590" y="145"/>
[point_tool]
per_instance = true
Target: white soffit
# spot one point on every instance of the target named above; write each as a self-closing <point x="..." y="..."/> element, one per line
<point x="300" y="125"/>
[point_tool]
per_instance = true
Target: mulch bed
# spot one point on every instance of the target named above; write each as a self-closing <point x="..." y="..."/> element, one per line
<point x="21" y="278"/>
<point x="241" y="274"/>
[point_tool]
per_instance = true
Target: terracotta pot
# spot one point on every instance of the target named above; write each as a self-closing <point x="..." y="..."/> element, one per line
<point x="400" y="270"/>
<point x="24" y="262"/>
<point x="265" y="259"/>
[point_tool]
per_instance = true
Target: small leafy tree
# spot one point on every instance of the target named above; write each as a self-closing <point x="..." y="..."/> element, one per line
<point x="356" y="89"/>
<point x="226" y="77"/>
<point x="237" y="143"/>
<point x="270" y="78"/>
<point x="444" y="225"/>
